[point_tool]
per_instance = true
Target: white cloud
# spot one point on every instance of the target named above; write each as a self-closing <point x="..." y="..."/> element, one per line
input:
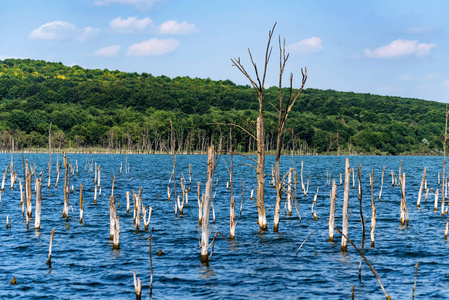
<point x="307" y="46"/>
<point x="130" y="24"/>
<point x="111" y="51"/>
<point x="56" y="30"/>
<point x="173" y="27"/>
<point x="60" y="30"/>
<point x="400" y="48"/>
<point x="139" y="4"/>
<point x="153" y="47"/>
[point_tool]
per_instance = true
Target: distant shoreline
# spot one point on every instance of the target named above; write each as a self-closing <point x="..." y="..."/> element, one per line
<point x="139" y="152"/>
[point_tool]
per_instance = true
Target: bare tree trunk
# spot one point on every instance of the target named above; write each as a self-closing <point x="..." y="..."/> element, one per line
<point x="127" y="201"/>
<point x="382" y="182"/>
<point x="28" y="192"/>
<point x="289" y="193"/>
<point x="112" y="215"/>
<point x="443" y="195"/>
<point x="435" y="208"/>
<point x="65" y="211"/>
<point x="232" y="222"/>
<point x="49" y="155"/>
<point x="277" y="180"/>
<point x="344" y="241"/>
<point x="137" y="286"/>
<point x="404" y="210"/>
<point x="49" y="248"/>
<point x="421" y="186"/>
<point x="260" y="203"/>
<point x="146" y="221"/>
<point x="206" y="206"/>
<point x="37" y="221"/>
<point x="4" y="177"/>
<point x="333" y="196"/>
<point x="116" y="238"/>
<point x="81" y="204"/>
<point x="373" y="212"/>
<point x="362" y="219"/>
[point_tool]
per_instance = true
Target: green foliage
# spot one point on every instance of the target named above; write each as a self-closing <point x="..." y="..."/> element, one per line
<point x="117" y="109"/>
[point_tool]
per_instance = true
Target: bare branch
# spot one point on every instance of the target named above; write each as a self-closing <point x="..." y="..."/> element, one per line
<point x="367" y="262"/>
<point x="236" y="63"/>
<point x="303" y="82"/>
<point x="249" y="166"/>
<point x="235" y="125"/>
<point x="260" y="86"/>
<point x="274" y="106"/>
<point x="268" y="53"/>
<point x="303" y="242"/>
<point x="247" y="156"/>
<point x="213" y="241"/>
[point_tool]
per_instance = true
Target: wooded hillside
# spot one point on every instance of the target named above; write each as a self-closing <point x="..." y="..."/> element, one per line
<point x="118" y="110"/>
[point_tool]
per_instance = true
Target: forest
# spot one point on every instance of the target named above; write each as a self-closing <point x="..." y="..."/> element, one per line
<point x="116" y="111"/>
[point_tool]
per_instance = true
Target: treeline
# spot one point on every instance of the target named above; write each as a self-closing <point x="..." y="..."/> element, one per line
<point x="117" y="110"/>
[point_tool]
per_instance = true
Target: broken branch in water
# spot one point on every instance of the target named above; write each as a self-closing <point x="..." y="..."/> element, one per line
<point x="303" y="242"/>
<point x="367" y="262"/>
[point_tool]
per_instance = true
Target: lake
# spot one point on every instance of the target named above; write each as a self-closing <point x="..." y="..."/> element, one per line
<point x="254" y="265"/>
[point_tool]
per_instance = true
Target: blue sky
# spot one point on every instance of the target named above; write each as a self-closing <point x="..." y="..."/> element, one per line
<point x="385" y="47"/>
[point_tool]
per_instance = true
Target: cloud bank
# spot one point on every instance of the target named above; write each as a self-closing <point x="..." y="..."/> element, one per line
<point x="111" y="51"/>
<point x="131" y="24"/>
<point x="60" y="30"/>
<point x="153" y="47"/>
<point x="400" y="48"/>
<point x="173" y="27"/>
<point x="307" y="46"/>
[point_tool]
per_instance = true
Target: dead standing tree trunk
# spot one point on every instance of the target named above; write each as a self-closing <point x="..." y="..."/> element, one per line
<point x="65" y="211"/>
<point x="206" y="206"/>
<point x="283" y="112"/>
<point x="49" y="155"/>
<point x="232" y="222"/>
<point x="443" y="194"/>
<point x="345" y="218"/>
<point x="258" y="85"/>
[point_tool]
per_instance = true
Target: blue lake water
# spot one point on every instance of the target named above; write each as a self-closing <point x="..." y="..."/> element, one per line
<point x="257" y="265"/>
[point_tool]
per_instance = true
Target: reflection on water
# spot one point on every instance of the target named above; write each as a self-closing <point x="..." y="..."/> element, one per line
<point x="254" y="265"/>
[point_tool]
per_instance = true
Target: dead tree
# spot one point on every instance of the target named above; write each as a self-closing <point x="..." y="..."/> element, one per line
<point x="258" y="85"/>
<point x="206" y="206"/>
<point x="283" y="112"/>
<point x="443" y="194"/>
<point x="65" y="211"/>
<point x="232" y="222"/>
<point x="49" y="155"/>
<point x="345" y="217"/>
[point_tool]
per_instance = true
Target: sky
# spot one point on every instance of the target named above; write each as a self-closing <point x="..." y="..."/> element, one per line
<point x="384" y="47"/>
